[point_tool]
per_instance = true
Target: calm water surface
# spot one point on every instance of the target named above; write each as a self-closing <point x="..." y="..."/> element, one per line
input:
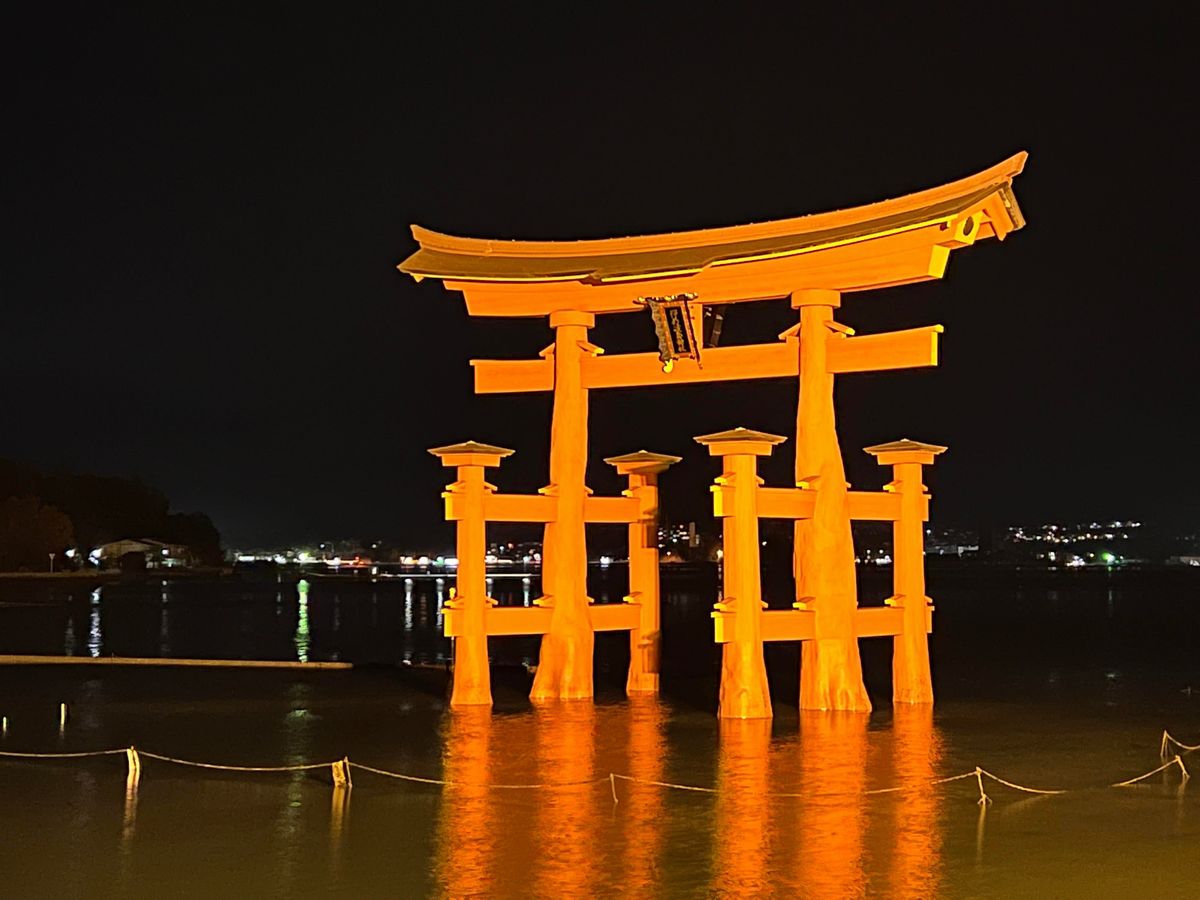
<point x="1059" y="681"/>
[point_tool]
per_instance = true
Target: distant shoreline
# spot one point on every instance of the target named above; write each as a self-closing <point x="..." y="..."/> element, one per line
<point x="110" y="575"/>
<point x="933" y="565"/>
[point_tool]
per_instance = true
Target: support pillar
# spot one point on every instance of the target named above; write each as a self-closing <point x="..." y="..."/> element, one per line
<point x="830" y="668"/>
<point x="744" y="690"/>
<point x="565" y="662"/>
<point x="645" y="641"/>
<point x="465" y="505"/>
<point x="911" y="678"/>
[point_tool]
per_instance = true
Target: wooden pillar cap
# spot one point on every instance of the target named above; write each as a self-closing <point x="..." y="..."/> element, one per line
<point x="470" y="453"/>
<point x="740" y="441"/>
<point x="904" y="451"/>
<point x="816" y="297"/>
<point x="643" y="462"/>
<point x="572" y="317"/>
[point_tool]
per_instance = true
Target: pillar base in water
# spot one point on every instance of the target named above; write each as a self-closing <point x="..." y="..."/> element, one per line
<point x="564" y="669"/>
<point x="831" y="677"/>
<point x="643" y="664"/>
<point x="911" y="678"/>
<point x="745" y="693"/>
<point x="643" y="683"/>
<point x="472" y="678"/>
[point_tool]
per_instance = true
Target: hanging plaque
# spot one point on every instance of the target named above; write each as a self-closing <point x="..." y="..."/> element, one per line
<point x="673" y="326"/>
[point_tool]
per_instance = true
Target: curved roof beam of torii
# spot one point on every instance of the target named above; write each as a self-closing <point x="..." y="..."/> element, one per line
<point x="877" y="245"/>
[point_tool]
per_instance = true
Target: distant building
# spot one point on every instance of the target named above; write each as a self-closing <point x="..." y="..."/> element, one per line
<point x="155" y="554"/>
<point x="951" y="542"/>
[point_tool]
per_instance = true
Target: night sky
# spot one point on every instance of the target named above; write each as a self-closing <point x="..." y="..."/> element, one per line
<point x="203" y="216"/>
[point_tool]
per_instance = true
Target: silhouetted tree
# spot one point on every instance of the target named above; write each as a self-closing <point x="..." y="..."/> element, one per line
<point x="29" y="532"/>
<point x="107" y="509"/>
<point x="197" y="531"/>
<point x="99" y="509"/>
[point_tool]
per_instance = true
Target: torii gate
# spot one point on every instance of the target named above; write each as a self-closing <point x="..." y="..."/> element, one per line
<point x="812" y="260"/>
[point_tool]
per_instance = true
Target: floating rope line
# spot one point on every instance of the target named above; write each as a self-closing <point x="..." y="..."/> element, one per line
<point x="1173" y="762"/>
<point x="893" y="790"/>
<point x="1168" y="741"/>
<point x="503" y="787"/>
<point x="1020" y="787"/>
<point x="340" y="773"/>
<point x="974" y="773"/>
<point x="200" y="765"/>
<point x="61" y="755"/>
<point x="668" y="784"/>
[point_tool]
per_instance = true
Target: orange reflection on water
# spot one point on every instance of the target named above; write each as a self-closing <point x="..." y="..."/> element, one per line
<point x="641" y="812"/>
<point x="828" y="837"/>
<point x="794" y="815"/>
<point x="567" y="815"/>
<point x="560" y="834"/>
<point x="916" y="752"/>
<point x="743" y="818"/>
<point x="466" y="829"/>
<point x="506" y="841"/>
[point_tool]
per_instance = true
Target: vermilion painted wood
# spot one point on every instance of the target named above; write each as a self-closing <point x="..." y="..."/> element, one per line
<point x="813" y="260"/>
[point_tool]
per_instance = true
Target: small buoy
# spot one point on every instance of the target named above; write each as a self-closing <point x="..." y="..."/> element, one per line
<point x="62" y="715"/>
<point x="3" y="726"/>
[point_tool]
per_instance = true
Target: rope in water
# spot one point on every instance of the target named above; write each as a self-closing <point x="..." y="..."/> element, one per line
<point x="503" y="787"/>
<point x="1172" y="762"/>
<point x="977" y="773"/>
<point x="1168" y="740"/>
<point x="1016" y="787"/>
<point x="200" y="765"/>
<point x="61" y="755"/>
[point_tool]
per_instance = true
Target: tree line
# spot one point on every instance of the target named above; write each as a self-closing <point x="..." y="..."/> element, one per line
<point x="51" y="512"/>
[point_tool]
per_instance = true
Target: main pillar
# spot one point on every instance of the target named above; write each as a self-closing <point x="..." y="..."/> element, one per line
<point x="744" y="690"/>
<point x="911" y="678"/>
<point x="645" y="641"/>
<point x="465" y="500"/>
<point x="830" y="669"/>
<point x="565" y="663"/>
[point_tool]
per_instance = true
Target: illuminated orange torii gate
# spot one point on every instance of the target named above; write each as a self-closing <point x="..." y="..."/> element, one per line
<point x="812" y="260"/>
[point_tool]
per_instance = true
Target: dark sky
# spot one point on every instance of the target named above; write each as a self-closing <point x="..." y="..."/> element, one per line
<point x="203" y="215"/>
